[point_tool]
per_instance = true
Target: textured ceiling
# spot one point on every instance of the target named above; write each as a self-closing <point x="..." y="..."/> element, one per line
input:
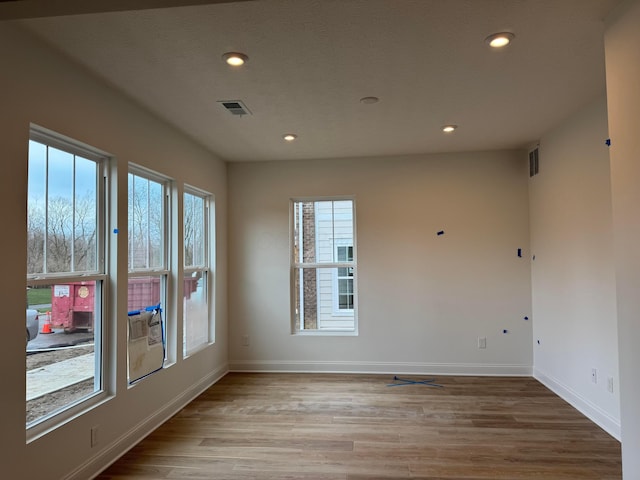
<point x="311" y="61"/>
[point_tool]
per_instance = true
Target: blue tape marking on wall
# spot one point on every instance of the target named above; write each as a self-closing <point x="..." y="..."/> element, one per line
<point x="115" y="230"/>
<point x="526" y="318"/>
<point x="505" y="331"/>
<point x="520" y="252"/>
<point x="441" y="232"/>
<point x="608" y="142"/>
<point x="428" y="382"/>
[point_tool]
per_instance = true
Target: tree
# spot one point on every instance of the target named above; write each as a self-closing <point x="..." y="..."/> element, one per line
<point x="193" y="230"/>
<point x="146" y="223"/>
<point x="62" y="234"/>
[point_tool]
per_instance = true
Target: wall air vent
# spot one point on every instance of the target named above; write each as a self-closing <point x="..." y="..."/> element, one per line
<point x="236" y="107"/>
<point x="534" y="162"/>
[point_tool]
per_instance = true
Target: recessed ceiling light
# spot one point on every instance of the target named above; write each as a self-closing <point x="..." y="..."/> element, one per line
<point x="289" y="137"/>
<point x="498" y="40"/>
<point x="449" y="128"/>
<point x="369" y="100"/>
<point x="235" y="59"/>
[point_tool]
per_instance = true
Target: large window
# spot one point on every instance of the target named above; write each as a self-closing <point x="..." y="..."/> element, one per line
<point x="196" y="311"/>
<point x="323" y="266"/>
<point x="148" y="210"/>
<point x="66" y="276"/>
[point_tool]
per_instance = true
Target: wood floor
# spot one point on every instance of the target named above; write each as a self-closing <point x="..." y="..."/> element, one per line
<point x="355" y="427"/>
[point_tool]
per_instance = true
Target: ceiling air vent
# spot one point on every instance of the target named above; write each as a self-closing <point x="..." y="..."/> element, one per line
<point x="534" y="162"/>
<point x="236" y="107"/>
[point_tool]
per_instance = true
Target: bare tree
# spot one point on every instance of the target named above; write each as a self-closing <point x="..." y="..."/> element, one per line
<point x="85" y="246"/>
<point x="59" y="234"/>
<point x="64" y="234"/>
<point x="193" y="230"/>
<point x="35" y="238"/>
<point x="146" y="223"/>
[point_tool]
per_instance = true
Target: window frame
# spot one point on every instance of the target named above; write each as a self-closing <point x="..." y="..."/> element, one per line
<point x="100" y="275"/>
<point x="296" y="265"/>
<point x="164" y="272"/>
<point x="337" y="278"/>
<point x="205" y="267"/>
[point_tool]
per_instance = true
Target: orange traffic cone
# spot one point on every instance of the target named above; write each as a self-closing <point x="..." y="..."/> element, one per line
<point x="46" y="327"/>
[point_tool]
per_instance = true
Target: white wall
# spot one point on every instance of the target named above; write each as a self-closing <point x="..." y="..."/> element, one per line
<point x="622" y="38"/>
<point x="423" y="299"/>
<point x="573" y="278"/>
<point x="38" y="86"/>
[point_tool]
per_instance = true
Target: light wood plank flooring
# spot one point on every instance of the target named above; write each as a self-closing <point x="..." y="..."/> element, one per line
<point x="354" y="427"/>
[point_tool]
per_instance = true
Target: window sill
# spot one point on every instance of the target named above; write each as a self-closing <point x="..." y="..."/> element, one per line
<point x="326" y="333"/>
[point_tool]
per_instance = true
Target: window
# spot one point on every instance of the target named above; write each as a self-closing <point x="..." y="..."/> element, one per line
<point x="148" y="209"/>
<point x="344" y="281"/>
<point x="323" y="266"/>
<point x="66" y="275"/>
<point x="196" y="270"/>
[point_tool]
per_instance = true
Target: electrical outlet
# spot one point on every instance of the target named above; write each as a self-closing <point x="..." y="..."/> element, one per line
<point x="610" y="384"/>
<point x="94" y="435"/>
<point x="594" y="375"/>
<point x="245" y="340"/>
<point x="482" y="342"/>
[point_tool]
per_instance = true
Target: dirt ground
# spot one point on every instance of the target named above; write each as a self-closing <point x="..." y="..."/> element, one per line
<point x="41" y="406"/>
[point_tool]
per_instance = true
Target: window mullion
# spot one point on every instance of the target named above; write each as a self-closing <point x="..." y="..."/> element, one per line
<point x="148" y="229"/>
<point x="46" y="215"/>
<point x="73" y="217"/>
<point x="325" y="265"/>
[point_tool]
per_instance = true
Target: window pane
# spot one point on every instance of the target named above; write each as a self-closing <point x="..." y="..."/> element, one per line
<point x="194" y="231"/>
<point x="62" y="211"/>
<point x="63" y="361"/>
<point x="85" y="219"/>
<point x="196" y="313"/>
<point x="195" y="307"/>
<point x="319" y="227"/>
<point x="59" y="211"/>
<point x="36" y="207"/>
<point x="305" y="225"/>
<point x="146" y="223"/>
<point x="156" y="225"/>
<point x="143" y="292"/>
<point x="146" y="335"/>
<point x="318" y="304"/>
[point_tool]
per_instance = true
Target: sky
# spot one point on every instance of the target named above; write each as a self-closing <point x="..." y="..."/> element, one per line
<point x="60" y="169"/>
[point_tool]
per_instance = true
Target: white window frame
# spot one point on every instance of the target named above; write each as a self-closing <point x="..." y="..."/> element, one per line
<point x="101" y="330"/>
<point x="205" y="268"/>
<point x="163" y="271"/>
<point x="297" y="267"/>
<point x="337" y="311"/>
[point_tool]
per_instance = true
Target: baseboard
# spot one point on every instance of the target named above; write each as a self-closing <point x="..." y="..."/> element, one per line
<point x="594" y="413"/>
<point x="403" y="368"/>
<point x="94" y="465"/>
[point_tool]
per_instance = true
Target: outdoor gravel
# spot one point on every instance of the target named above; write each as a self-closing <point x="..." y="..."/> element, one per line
<point x="46" y="404"/>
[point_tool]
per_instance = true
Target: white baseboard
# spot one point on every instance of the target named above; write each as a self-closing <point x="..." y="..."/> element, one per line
<point x="594" y="413"/>
<point x="402" y="368"/>
<point x="96" y="464"/>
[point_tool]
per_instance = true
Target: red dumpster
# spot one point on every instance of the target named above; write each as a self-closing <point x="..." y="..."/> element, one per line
<point x="142" y="292"/>
<point x="72" y="306"/>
